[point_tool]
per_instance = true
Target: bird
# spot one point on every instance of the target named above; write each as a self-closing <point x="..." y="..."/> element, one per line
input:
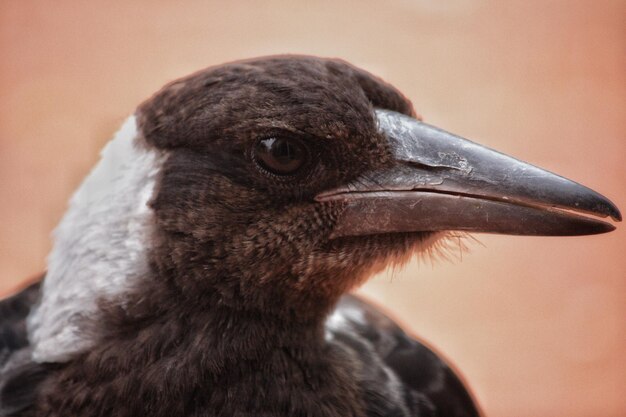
<point x="204" y="266"/>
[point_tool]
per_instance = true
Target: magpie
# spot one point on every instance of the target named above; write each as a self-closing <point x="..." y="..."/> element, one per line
<point x="203" y="266"/>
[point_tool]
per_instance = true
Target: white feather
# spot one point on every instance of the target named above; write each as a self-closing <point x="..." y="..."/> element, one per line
<point x="100" y="246"/>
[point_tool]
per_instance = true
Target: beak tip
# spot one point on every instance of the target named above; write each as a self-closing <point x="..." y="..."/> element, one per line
<point x="615" y="214"/>
<point x="611" y="210"/>
<point x="606" y="229"/>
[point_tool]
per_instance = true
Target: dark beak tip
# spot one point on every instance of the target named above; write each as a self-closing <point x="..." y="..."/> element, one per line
<point x="615" y="214"/>
<point x="608" y="208"/>
<point x="600" y="228"/>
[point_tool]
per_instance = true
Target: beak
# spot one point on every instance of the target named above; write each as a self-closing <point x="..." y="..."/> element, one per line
<point x="440" y="181"/>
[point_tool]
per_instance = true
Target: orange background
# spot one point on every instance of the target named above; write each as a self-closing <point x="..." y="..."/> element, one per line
<point x="537" y="325"/>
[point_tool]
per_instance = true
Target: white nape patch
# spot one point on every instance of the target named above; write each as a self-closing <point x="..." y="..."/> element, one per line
<point x="100" y="246"/>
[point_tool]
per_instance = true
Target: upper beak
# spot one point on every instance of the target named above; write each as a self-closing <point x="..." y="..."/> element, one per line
<point x="440" y="181"/>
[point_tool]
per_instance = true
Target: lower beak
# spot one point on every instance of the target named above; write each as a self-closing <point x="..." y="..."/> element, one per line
<point x="440" y="181"/>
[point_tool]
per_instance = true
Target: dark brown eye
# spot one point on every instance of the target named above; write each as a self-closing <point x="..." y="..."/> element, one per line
<point x="280" y="156"/>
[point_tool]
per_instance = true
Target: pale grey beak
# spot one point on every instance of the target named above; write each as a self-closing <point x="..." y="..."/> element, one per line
<point x="440" y="181"/>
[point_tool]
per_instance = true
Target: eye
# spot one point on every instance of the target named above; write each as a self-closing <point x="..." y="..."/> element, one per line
<point x="280" y="156"/>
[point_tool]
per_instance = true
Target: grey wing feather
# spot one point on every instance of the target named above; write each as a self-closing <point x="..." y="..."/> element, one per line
<point x="399" y="375"/>
<point x="13" y="313"/>
<point x="19" y="375"/>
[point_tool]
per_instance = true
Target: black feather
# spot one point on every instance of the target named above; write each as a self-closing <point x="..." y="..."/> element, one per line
<point x="429" y="385"/>
<point x="19" y="381"/>
<point x="13" y="313"/>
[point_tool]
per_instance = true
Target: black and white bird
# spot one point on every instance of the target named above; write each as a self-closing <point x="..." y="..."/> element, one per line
<point x="202" y="266"/>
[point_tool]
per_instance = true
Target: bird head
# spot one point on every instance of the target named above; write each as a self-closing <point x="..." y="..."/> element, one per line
<point x="288" y="180"/>
<point x="251" y="145"/>
<point x="275" y="185"/>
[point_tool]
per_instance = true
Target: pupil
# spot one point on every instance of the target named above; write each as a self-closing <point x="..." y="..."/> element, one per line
<point x="279" y="155"/>
<point x="283" y="151"/>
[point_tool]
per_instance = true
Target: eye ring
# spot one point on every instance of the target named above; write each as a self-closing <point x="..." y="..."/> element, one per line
<point x="279" y="155"/>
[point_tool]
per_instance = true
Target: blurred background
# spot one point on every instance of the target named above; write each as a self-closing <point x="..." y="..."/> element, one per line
<point x="537" y="326"/>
